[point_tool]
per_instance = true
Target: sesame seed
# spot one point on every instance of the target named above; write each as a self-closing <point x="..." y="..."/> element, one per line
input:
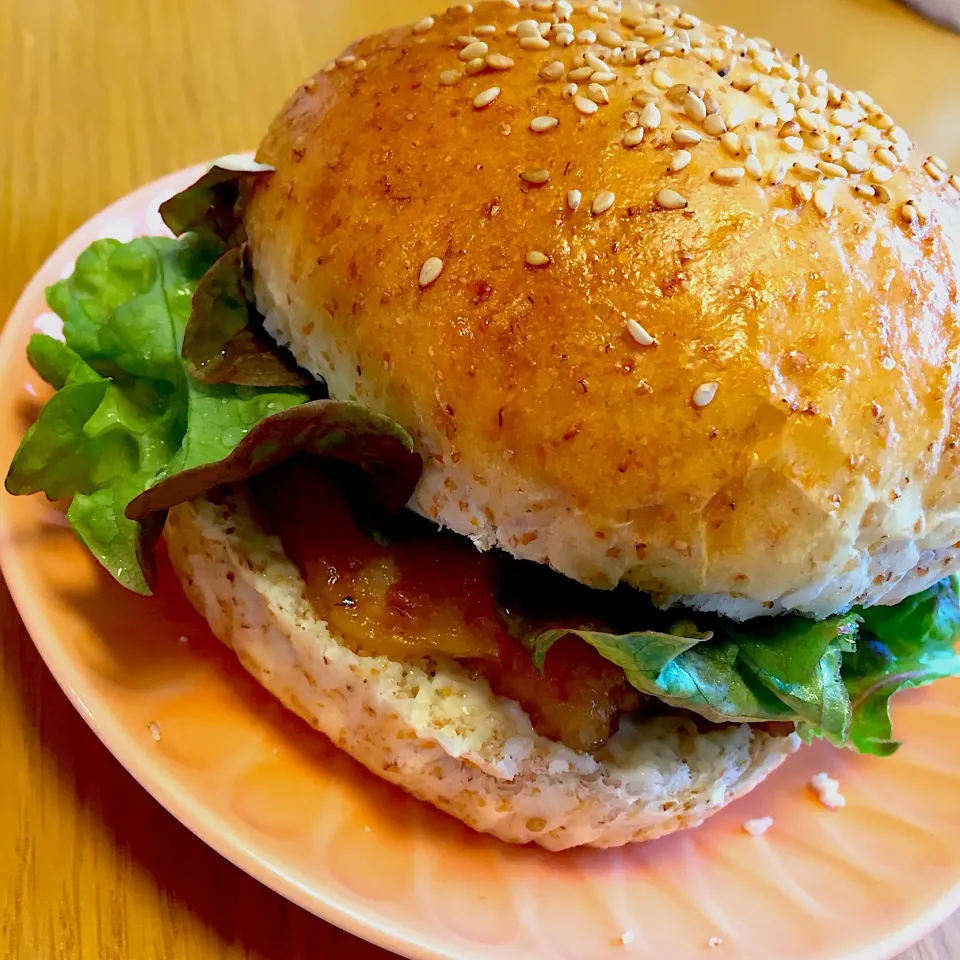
<point x="855" y="163"/>
<point x="803" y="192"/>
<point x="680" y="160"/>
<point x="485" y="98"/>
<point x="543" y="124"/>
<point x="792" y="144"/>
<point x="536" y="177"/>
<point x="845" y="118"/>
<point x="592" y="60"/>
<point x="424" y="25"/>
<point x="431" y="269"/>
<point x="768" y="119"/>
<point x="806" y="170"/>
<point x="329" y="66"/>
<point x="900" y="152"/>
<point x="883" y="193"/>
<point x="807" y="120"/>
<point x="899" y="135"/>
<point x="663" y="80"/>
<point x="778" y="172"/>
<point x="909" y="213"/>
<point x="537" y="259"/>
<point x="754" y="167"/>
<point x="727" y="174"/>
<point x="586" y="37"/>
<point x="750" y="144"/>
<point x="823" y="200"/>
<point x="650" y="29"/>
<point x="552" y="71"/>
<point x="563" y="39"/>
<point x="359" y="66"/>
<point x="705" y="393"/>
<point x="921" y="208"/>
<point x="475" y="66"/>
<point x="786" y="113"/>
<point x="597" y="93"/>
<point x="694" y="107"/>
<point x="563" y="9"/>
<point x="610" y="38"/>
<point x="603" y="76"/>
<point x="881" y="174"/>
<point x="955" y="182"/>
<point x="715" y="942"/>
<point x="535" y="43"/>
<point x="595" y="13"/>
<point x="715" y="125"/>
<point x="671" y="200"/>
<point x="686" y="138"/>
<point x="864" y="190"/>
<point x="527" y="28"/>
<point x="934" y="173"/>
<point x="345" y="61"/>
<point x="939" y="163"/>
<point x="573" y="199"/>
<point x="570" y="90"/>
<point x="816" y="142"/>
<point x="832" y="170"/>
<point x="472" y="50"/>
<point x="735" y="117"/>
<point x="888" y="363"/>
<point x="498" y="61"/>
<point x="650" y="117"/>
<point x="639" y="334"/>
<point x="584" y="105"/>
<point x="154" y="728"/>
<point x="731" y="143"/>
<point x="449" y="77"/>
<point x="485" y="30"/>
<point x="710" y="102"/>
<point x="634" y="137"/>
<point x="678" y="92"/>
<point x="886" y="157"/>
<point x="602" y="202"/>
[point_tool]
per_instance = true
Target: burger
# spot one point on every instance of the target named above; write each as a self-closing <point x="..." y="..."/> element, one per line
<point x="560" y="414"/>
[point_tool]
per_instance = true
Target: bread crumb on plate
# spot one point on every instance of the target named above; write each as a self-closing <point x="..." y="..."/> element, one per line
<point x="828" y="791"/>
<point x="758" y="826"/>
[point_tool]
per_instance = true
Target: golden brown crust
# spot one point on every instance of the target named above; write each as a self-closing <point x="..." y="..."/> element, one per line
<point x="831" y="333"/>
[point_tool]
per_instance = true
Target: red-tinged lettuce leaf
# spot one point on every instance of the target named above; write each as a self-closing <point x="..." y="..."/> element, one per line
<point x="349" y="432"/>
<point x="214" y="204"/>
<point x="225" y="341"/>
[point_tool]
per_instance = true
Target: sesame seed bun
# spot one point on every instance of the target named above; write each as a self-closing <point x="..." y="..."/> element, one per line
<point x="714" y="359"/>
<point x="437" y="731"/>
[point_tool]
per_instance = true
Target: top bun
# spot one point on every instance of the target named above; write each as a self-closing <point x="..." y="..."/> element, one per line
<point x="720" y="366"/>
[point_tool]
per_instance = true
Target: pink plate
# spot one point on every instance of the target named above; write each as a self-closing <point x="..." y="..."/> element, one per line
<point x="276" y="799"/>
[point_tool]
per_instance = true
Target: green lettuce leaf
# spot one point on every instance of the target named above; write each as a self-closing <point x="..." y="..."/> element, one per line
<point x="758" y="673"/>
<point x="129" y="432"/>
<point x="907" y="645"/>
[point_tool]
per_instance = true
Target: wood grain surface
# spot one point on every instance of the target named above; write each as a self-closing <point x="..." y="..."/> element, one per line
<point x="96" y="98"/>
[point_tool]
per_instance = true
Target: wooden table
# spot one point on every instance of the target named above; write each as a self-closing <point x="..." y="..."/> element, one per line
<point x="97" y="97"/>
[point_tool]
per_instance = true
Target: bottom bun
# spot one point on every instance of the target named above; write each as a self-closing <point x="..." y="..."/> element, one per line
<point x="439" y="732"/>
